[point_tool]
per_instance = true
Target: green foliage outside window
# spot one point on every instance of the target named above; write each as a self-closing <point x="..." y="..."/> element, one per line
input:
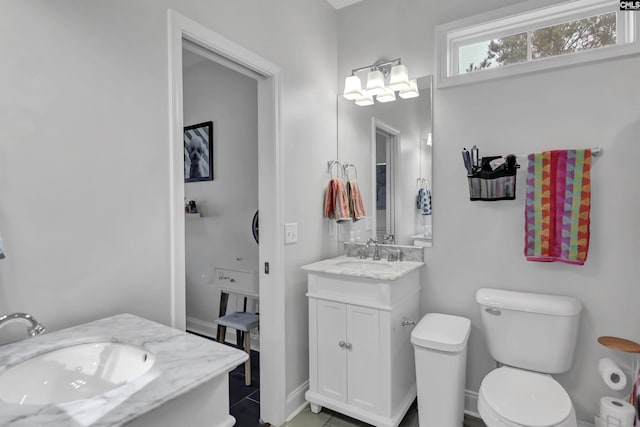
<point x="574" y="36"/>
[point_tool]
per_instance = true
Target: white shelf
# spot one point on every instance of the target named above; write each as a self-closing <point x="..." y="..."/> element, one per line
<point x="193" y="215"/>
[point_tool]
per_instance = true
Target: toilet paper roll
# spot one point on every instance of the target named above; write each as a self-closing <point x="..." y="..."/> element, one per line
<point x="616" y="412"/>
<point x="611" y="374"/>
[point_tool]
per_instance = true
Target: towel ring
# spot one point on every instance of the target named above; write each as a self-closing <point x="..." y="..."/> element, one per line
<point x="332" y="163"/>
<point x="346" y="168"/>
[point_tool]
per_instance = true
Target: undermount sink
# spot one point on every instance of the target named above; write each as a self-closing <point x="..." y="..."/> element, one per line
<point x="364" y="265"/>
<point x="72" y="373"/>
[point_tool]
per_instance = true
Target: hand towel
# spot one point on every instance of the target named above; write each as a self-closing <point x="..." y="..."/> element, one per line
<point x="557" y="206"/>
<point x="356" y="207"/>
<point x="423" y="201"/>
<point x="336" y="202"/>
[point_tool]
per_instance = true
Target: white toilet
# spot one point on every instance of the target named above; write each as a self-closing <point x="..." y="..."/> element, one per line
<point x="532" y="336"/>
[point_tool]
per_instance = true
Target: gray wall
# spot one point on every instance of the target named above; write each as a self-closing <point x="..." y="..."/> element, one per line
<point x="84" y="151"/>
<point x="481" y="244"/>
<point x="222" y="237"/>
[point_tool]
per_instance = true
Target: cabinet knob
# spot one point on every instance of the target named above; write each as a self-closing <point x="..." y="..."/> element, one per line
<point x="342" y="344"/>
<point x="347" y="346"/>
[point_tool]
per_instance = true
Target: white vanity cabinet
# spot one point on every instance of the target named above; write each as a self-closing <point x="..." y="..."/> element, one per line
<point x="360" y="355"/>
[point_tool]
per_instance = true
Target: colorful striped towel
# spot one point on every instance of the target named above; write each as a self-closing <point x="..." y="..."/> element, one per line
<point x="356" y="207"/>
<point x="336" y="201"/>
<point x="557" y="207"/>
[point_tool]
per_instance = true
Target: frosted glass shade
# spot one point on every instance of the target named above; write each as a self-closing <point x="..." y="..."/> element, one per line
<point x="387" y="96"/>
<point x="399" y="78"/>
<point x="352" y="88"/>
<point x="375" y="83"/>
<point x="411" y="91"/>
<point x="365" y="100"/>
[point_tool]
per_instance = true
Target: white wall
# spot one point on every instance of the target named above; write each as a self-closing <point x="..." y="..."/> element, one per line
<point x="221" y="237"/>
<point x="84" y="165"/>
<point x="480" y="244"/>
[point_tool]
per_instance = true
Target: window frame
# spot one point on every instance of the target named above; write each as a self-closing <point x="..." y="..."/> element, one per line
<point x="524" y="17"/>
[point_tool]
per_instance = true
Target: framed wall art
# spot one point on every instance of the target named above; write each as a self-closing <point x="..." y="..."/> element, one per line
<point x="198" y="152"/>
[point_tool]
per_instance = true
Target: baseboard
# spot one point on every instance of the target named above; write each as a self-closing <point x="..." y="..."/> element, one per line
<point x="296" y="401"/>
<point x="471" y="407"/>
<point x="201" y="327"/>
<point x="210" y="330"/>
<point x="471" y="403"/>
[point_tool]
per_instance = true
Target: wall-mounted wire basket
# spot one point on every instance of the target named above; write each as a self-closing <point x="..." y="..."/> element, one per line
<point x="490" y="185"/>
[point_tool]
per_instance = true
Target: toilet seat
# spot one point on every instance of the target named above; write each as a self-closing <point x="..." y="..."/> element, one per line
<point x="511" y="397"/>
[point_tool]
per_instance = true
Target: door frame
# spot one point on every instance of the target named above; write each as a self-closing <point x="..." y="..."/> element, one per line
<point x="270" y="200"/>
<point x="393" y="158"/>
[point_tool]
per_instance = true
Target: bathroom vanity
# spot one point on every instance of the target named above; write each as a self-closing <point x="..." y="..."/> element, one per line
<point x="186" y="382"/>
<point x="361" y="313"/>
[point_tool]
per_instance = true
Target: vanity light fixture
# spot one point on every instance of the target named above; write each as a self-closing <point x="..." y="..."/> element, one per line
<point x="411" y="91"/>
<point x="352" y="88"/>
<point x="379" y="73"/>
<point x="365" y="100"/>
<point x="375" y="82"/>
<point x="387" y="96"/>
<point x="399" y="78"/>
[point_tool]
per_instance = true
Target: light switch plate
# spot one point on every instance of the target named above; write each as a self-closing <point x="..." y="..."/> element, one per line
<point x="290" y="233"/>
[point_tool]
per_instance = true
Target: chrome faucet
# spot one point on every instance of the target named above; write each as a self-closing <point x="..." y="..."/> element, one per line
<point x="35" y="329"/>
<point x="365" y="249"/>
<point x="388" y="239"/>
<point x="376" y="250"/>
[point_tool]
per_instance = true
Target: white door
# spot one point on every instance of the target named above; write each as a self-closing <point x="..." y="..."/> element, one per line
<point x="332" y="354"/>
<point x="363" y="355"/>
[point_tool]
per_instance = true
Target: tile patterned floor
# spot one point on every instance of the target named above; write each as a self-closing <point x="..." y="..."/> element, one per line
<point x="327" y="418"/>
<point x="244" y="402"/>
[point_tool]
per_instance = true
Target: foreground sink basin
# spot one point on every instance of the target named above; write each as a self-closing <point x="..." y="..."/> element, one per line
<point x="364" y="265"/>
<point x="72" y="373"/>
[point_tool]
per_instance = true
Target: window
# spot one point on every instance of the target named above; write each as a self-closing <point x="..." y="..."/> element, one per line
<point x="521" y="39"/>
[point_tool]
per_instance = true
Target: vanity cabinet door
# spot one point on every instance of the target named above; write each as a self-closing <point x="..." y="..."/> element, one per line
<point x="332" y="357"/>
<point x="363" y="355"/>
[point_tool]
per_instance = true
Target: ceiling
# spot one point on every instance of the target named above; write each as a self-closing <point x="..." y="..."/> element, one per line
<point x="339" y="4"/>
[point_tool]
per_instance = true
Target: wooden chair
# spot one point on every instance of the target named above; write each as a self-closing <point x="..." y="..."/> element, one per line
<point x="243" y="322"/>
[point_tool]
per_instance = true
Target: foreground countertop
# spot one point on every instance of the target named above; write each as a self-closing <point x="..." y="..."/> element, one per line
<point x="183" y="362"/>
<point x="393" y="271"/>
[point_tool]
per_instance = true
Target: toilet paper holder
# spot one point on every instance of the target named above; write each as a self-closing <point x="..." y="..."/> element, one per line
<point x="627" y="346"/>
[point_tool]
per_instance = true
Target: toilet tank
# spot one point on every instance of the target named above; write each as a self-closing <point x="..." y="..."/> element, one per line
<point x="536" y="332"/>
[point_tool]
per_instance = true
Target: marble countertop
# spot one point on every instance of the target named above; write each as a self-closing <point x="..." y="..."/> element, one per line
<point x="356" y="267"/>
<point x="183" y="362"/>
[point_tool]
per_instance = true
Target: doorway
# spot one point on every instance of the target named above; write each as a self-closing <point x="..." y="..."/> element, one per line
<point x="270" y="179"/>
<point x="221" y="202"/>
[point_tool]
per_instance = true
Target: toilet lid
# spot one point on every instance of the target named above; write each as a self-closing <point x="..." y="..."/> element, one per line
<point x="526" y="398"/>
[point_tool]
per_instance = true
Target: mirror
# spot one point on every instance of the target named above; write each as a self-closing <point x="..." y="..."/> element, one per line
<point x="390" y="144"/>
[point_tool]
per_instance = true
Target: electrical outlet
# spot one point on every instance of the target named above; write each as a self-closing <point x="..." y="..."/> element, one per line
<point x="290" y="233"/>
